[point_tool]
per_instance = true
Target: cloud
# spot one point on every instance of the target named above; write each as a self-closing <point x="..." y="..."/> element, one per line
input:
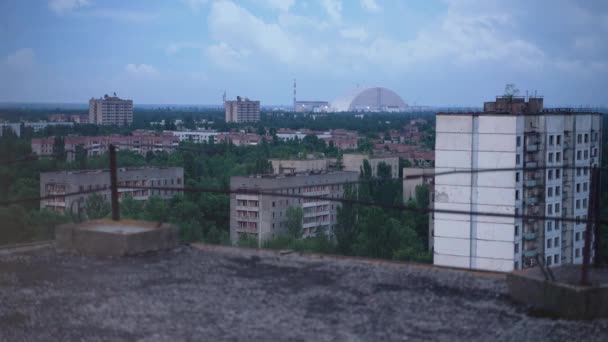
<point x="20" y="59"/>
<point x="333" y="8"/>
<point x="357" y="33"/>
<point x="280" y="5"/>
<point x="226" y="56"/>
<point x="196" y="5"/>
<point x="370" y="5"/>
<point x="175" y="48"/>
<point x="64" y="6"/>
<point x="141" y="70"/>
<point x="124" y="15"/>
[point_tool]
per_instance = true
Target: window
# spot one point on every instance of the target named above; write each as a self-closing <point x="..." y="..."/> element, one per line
<point x="517" y="159"/>
<point x="584" y="203"/>
<point x="516" y="211"/>
<point x="577" y="236"/>
<point x="516" y="265"/>
<point x="559" y="139"/>
<point x="578" y="155"/>
<point x="273" y="203"/>
<point x="549" y="226"/>
<point x="586" y="138"/>
<point x="517" y="176"/>
<point x="551" y="140"/>
<point x="558" y="157"/>
<point x="578" y="204"/>
<point x="516" y="194"/>
<point x="550" y="174"/>
<point x="579" y="138"/>
<point x="586" y="154"/>
<point x="516" y="248"/>
<point x="585" y="171"/>
<point x="577" y="253"/>
<point x="550" y="157"/>
<point x="518" y="139"/>
<point x="585" y="186"/>
<point x="557" y="207"/>
<point x="549" y="192"/>
<point x="549" y="243"/>
<point x="558" y="190"/>
<point x="556" y="241"/>
<point x="556" y="225"/>
<point x="556" y="259"/>
<point x="578" y="171"/>
<point x="516" y="230"/>
<point x="549" y="209"/>
<point x="578" y="187"/>
<point x="549" y="260"/>
<point x="558" y="173"/>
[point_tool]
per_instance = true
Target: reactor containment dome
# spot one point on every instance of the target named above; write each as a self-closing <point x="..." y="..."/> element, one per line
<point x="374" y="99"/>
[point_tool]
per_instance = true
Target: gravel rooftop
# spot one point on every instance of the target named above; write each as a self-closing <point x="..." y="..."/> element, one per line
<point x="218" y="294"/>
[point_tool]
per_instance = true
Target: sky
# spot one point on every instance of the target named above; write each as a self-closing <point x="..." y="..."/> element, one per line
<point x="431" y="52"/>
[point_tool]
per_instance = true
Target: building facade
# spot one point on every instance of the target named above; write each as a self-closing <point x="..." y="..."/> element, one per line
<point x="354" y="162"/>
<point x="195" y="136"/>
<point x="110" y="110"/>
<point x="242" y="110"/>
<point x="98" y="145"/>
<point x="549" y="153"/>
<point x="289" y="166"/>
<point x="65" y="182"/>
<point x="265" y="216"/>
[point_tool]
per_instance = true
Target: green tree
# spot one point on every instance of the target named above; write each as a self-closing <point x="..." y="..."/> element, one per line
<point x="80" y="156"/>
<point x="130" y="208"/>
<point x="59" y="149"/>
<point x="346" y="225"/>
<point x="96" y="207"/>
<point x="511" y="91"/>
<point x="155" y="209"/>
<point x="294" y="221"/>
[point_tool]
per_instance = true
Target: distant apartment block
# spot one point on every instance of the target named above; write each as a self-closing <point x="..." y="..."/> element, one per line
<point x="354" y="162"/>
<point x="12" y="127"/>
<point x="76" y="118"/>
<point x="414" y="177"/>
<point x="139" y="142"/>
<point x="265" y="216"/>
<point x="110" y="110"/>
<point x="242" y="110"/>
<point x="291" y="166"/>
<point x="64" y="182"/>
<point x="194" y="136"/>
<point x="517" y="133"/>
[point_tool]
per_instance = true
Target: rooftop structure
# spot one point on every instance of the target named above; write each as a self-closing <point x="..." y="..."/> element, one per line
<point x="376" y="99"/>
<point x="513" y="133"/>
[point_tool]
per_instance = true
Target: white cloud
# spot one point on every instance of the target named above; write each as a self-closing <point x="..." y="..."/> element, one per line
<point x="63" y="6"/>
<point x="226" y="56"/>
<point x="333" y="8"/>
<point x="370" y="5"/>
<point x="22" y="58"/>
<point x="281" y="5"/>
<point x="357" y="33"/>
<point x="175" y="48"/>
<point x="196" y="5"/>
<point x="143" y="70"/>
<point x="124" y="15"/>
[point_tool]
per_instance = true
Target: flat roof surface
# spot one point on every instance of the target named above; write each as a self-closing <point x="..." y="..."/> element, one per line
<point x="217" y="294"/>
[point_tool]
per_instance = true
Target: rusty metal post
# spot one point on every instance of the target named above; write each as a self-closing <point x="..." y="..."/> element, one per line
<point x="593" y="189"/>
<point x="596" y="232"/>
<point x="114" y="184"/>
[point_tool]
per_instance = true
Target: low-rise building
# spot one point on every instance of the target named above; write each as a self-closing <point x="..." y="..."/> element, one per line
<point x="264" y="216"/>
<point x="354" y="162"/>
<point x="195" y="136"/>
<point x="289" y="166"/>
<point x="414" y="177"/>
<point x="62" y="183"/>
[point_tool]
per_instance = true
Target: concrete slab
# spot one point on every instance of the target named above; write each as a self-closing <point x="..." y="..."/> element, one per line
<point x="565" y="297"/>
<point x="110" y="238"/>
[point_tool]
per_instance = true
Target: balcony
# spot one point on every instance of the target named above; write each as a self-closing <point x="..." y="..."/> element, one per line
<point x="532" y="148"/>
<point x="530" y="253"/>
<point x="532" y="200"/>
<point x="531" y="183"/>
<point x="529" y="236"/>
<point x="531" y="164"/>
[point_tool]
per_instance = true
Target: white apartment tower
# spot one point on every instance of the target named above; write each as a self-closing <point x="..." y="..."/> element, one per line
<point x="110" y="110"/>
<point x="242" y="110"/>
<point x="519" y="134"/>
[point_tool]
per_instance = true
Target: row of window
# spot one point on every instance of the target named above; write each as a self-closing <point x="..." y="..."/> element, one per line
<point x="552" y="242"/>
<point x="552" y="259"/>
<point x="553" y="208"/>
<point x="578" y="203"/>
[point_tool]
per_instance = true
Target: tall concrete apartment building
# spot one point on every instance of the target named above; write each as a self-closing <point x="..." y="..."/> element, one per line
<point x="242" y="110"/>
<point x="513" y="132"/>
<point x="65" y="182"/>
<point x="265" y="216"/>
<point x="110" y="110"/>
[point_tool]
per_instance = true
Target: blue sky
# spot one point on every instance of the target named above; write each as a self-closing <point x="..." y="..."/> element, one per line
<point x="432" y="52"/>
